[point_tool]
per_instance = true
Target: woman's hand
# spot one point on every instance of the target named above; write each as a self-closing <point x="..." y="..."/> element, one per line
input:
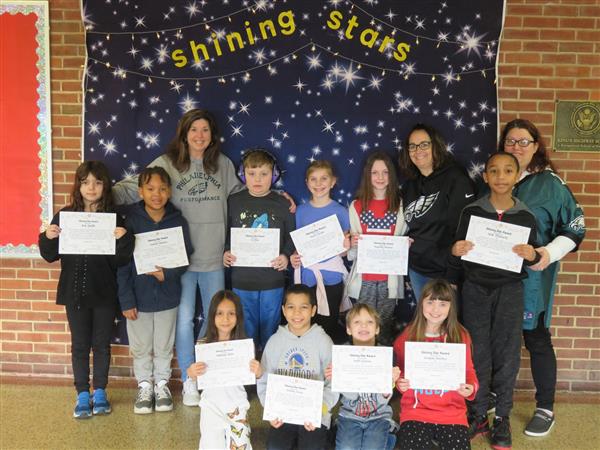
<point x="52" y="231"/>
<point x="280" y="263"/>
<point x="461" y="248"/>
<point x="120" y="232"/>
<point x="295" y="260"/>
<point x="544" y="261"/>
<point x="228" y="259"/>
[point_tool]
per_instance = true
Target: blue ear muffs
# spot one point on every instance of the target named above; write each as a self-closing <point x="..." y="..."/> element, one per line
<point x="276" y="171"/>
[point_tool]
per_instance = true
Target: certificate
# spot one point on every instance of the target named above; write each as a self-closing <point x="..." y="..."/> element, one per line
<point x="494" y="241"/>
<point x="254" y="247"/>
<point x="293" y="400"/>
<point x="227" y="363"/>
<point x="160" y="248"/>
<point x="386" y="255"/>
<point x="319" y="241"/>
<point x="434" y="365"/>
<point x="361" y="369"/>
<point x="85" y="233"/>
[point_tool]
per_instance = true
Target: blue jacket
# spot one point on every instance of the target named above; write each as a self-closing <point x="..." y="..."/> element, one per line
<point x="145" y="292"/>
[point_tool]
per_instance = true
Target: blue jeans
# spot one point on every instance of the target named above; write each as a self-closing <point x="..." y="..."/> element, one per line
<point x="262" y="313"/>
<point x="210" y="283"/>
<point x="417" y="281"/>
<point x="362" y="435"/>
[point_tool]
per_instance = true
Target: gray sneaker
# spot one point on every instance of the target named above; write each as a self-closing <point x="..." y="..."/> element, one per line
<point x="191" y="396"/>
<point x="163" y="399"/>
<point x="144" y="400"/>
<point x="540" y="424"/>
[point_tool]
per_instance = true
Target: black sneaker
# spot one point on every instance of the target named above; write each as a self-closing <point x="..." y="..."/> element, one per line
<point x="540" y="424"/>
<point x="478" y="425"/>
<point x="492" y="403"/>
<point x="500" y="436"/>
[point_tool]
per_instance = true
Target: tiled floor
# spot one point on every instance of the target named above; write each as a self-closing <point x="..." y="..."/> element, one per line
<point x="39" y="417"/>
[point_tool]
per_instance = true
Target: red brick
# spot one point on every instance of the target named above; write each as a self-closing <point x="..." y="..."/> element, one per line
<point x="585" y="386"/>
<point x="557" y="35"/>
<point x="32" y="358"/>
<point x="49" y="368"/>
<point x="577" y="47"/>
<point x="589" y="83"/>
<point x="573" y="71"/>
<point x="523" y="58"/>
<point x="556" y="10"/>
<point x="557" y="83"/>
<point x="15" y="367"/>
<point x="540" y="22"/>
<point x="572" y="353"/>
<point x="585" y="343"/>
<point x="16" y="326"/>
<point x="33" y="337"/>
<point x="49" y="348"/>
<point x="574" y="332"/>
<point x="591" y="59"/>
<point x="536" y="71"/>
<point x="579" y="22"/>
<point x="17" y="347"/>
<point x="535" y="94"/>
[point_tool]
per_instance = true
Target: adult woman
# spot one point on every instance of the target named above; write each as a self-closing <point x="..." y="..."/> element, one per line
<point x="435" y="192"/>
<point x="561" y="228"/>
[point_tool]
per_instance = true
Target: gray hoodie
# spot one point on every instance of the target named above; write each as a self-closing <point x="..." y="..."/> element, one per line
<point x="304" y="356"/>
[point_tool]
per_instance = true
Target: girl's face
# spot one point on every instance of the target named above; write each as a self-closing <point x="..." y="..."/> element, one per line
<point x="422" y="154"/>
<point x="380" y="178"/>
<point x="435" y="312"/>
<point x="363" y="329"/>
<point x="225" y="319"/>
<point x="320" y="182"/>
<point x="523" y="154"/>
<point x="91" y="190"/>
<point x="199" y="137"/>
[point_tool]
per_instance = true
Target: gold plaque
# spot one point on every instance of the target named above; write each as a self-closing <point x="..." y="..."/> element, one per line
<point x="577" y="126"/>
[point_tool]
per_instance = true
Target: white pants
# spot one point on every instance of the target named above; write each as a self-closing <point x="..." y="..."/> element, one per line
<point x="223" y="432"/>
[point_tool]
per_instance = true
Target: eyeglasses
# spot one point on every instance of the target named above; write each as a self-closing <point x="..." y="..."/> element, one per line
<point x="425" y="145"/>
<point x="521" y="142"/>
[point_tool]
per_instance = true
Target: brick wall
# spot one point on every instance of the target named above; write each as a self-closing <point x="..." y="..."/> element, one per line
<point x="550" y="51"/>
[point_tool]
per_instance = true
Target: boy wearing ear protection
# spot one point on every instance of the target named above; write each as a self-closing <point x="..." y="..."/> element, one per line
<point x="260" y="288"/>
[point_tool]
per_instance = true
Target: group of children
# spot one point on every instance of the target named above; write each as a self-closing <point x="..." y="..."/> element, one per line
<point x="492" y="308"/>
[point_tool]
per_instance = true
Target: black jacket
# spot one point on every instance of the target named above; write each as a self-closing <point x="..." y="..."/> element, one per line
<point x="432" y="207"/>
<point x="87" y="281"/>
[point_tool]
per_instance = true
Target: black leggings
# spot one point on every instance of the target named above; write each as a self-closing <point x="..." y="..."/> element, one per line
<point x="415" y="435"/>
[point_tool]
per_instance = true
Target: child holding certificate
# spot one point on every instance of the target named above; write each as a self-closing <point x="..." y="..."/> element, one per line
<point x="493" y="298"/>
<point x="428" y="415"/>
<point x="377" y="210"/>
<point x="365" y="420"/>
<point x="223" y="423"/>
<point x="88" y="288"/>
<point x="149" y="301"/>
<point x="327" y="277"/>
<point x="298" y="349"/>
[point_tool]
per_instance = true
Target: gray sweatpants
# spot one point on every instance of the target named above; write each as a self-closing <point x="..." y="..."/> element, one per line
<point x="375" y="294"/>
<point x="151" y="340"/>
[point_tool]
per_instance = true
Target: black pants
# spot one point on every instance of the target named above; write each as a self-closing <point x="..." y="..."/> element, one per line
<point x="289" y="437"/>
<point x="543" y="363"/>
<point x="91" y="328"/>
<point x="415" y="435"/>
<point x="331" y="323"/>
<point x="494" y="318"/>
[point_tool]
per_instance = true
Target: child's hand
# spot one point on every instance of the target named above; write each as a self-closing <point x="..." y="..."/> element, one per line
<point x="461" y="248"/>
<point x="195" y="370"/>
<point x="395" y="374"/>
<point x="276" y="423"/>
<point x="158" y="274"/>
<point x="228" y="259"/>
<point x="328" y="372"/>
<point x="256" y="368"/>
<point x="465" y="390"/>
<point x="410" y="241"/>
<point x="403" y="385"/>
<point x="354" y="240"/>
<point x="295" y="260"/>
<point x="52" y="231"/>
<point x="347" y="241"/>
<point x="280" y="263"/>
<point x="309" y="426"/>
<point x="544" y="261"/>
<point x="120" y="232"/>
<point x="525" y="251"/>
<point x="130" y="314"/>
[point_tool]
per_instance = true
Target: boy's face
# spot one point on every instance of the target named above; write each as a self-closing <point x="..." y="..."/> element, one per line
<point x="298" y="312"/>
<point x="501" y="174"/>
<point x="363" y="329"/>
<point x="258" y="179"/>
<point x="155" y="193"/>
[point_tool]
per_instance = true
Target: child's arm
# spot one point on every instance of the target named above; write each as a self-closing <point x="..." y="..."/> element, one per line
<point x="125" y="242"/>
<point x="355" y="231"/>
<point x="125" y="279"/>
<point x="228" y="257"/>
<point x="295" y="260"/>
<point x="48" y="241"/>
<point x="460" y="248"/>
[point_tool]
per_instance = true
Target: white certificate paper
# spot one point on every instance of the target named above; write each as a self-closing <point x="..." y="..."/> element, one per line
<point x="293" y="400"/>
<point x="160" y="248"/>
<point x="361" y="369"/>
<point x="385" y="255"/>
<point x="434" y="365"/>
<point x="85" y="233"/>
<point x="227" y="363"/>
<point x="254" y="247"/>
<point x="494" y="241"/>
<point x="319" y="241"/>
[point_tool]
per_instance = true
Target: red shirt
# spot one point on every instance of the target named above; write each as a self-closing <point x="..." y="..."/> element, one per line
<point x="433" y="406"/>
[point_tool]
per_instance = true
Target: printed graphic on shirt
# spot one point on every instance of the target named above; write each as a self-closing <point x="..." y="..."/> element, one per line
<point x="373" y="223"/>
<point x="420" y="206"/>
<point x="250" y="219"/>
<point x="195" y="185"/>
<point x="296" y="363"/>
<point x="365" y="405"/>
<point x="577" y="224"/>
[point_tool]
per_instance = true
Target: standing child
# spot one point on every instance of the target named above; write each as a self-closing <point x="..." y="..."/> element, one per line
<point x="260" y="288"/>
<point x="377" y="210"/>
<point x="327" y="277"/>
<point x="433" y="415"/>
<point x="493" y="299"/>
<point x="223" y="422"/>
<point x="364" y="420"/>
<point x="88" y="288"/>
<point x="298" y="349"/>
<point x="149" y="301"/>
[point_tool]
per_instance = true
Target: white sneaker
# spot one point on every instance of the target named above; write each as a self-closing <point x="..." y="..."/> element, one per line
<point x="191" y="396"/>
<point x="144" y="401"/>
<point x="162" y="397"/>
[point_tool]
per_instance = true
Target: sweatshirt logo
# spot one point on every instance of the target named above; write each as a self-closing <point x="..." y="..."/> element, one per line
<point x="296" y="363"/>
<point x="420" y="206"/>
<point x="577" y="224"/>
<point x="198" y="189"/>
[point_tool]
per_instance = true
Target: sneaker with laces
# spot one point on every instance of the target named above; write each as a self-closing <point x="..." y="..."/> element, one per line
<point x="500" y="436"/>
<point x="83" y="408"/>
<point x="478" y="425"/>
<point x="191" y="396"/>
<point x="540" y="424"/>
<point x="144" y="401"/>
<point x="162" y="397"/>
<point x="100" y="402"/>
